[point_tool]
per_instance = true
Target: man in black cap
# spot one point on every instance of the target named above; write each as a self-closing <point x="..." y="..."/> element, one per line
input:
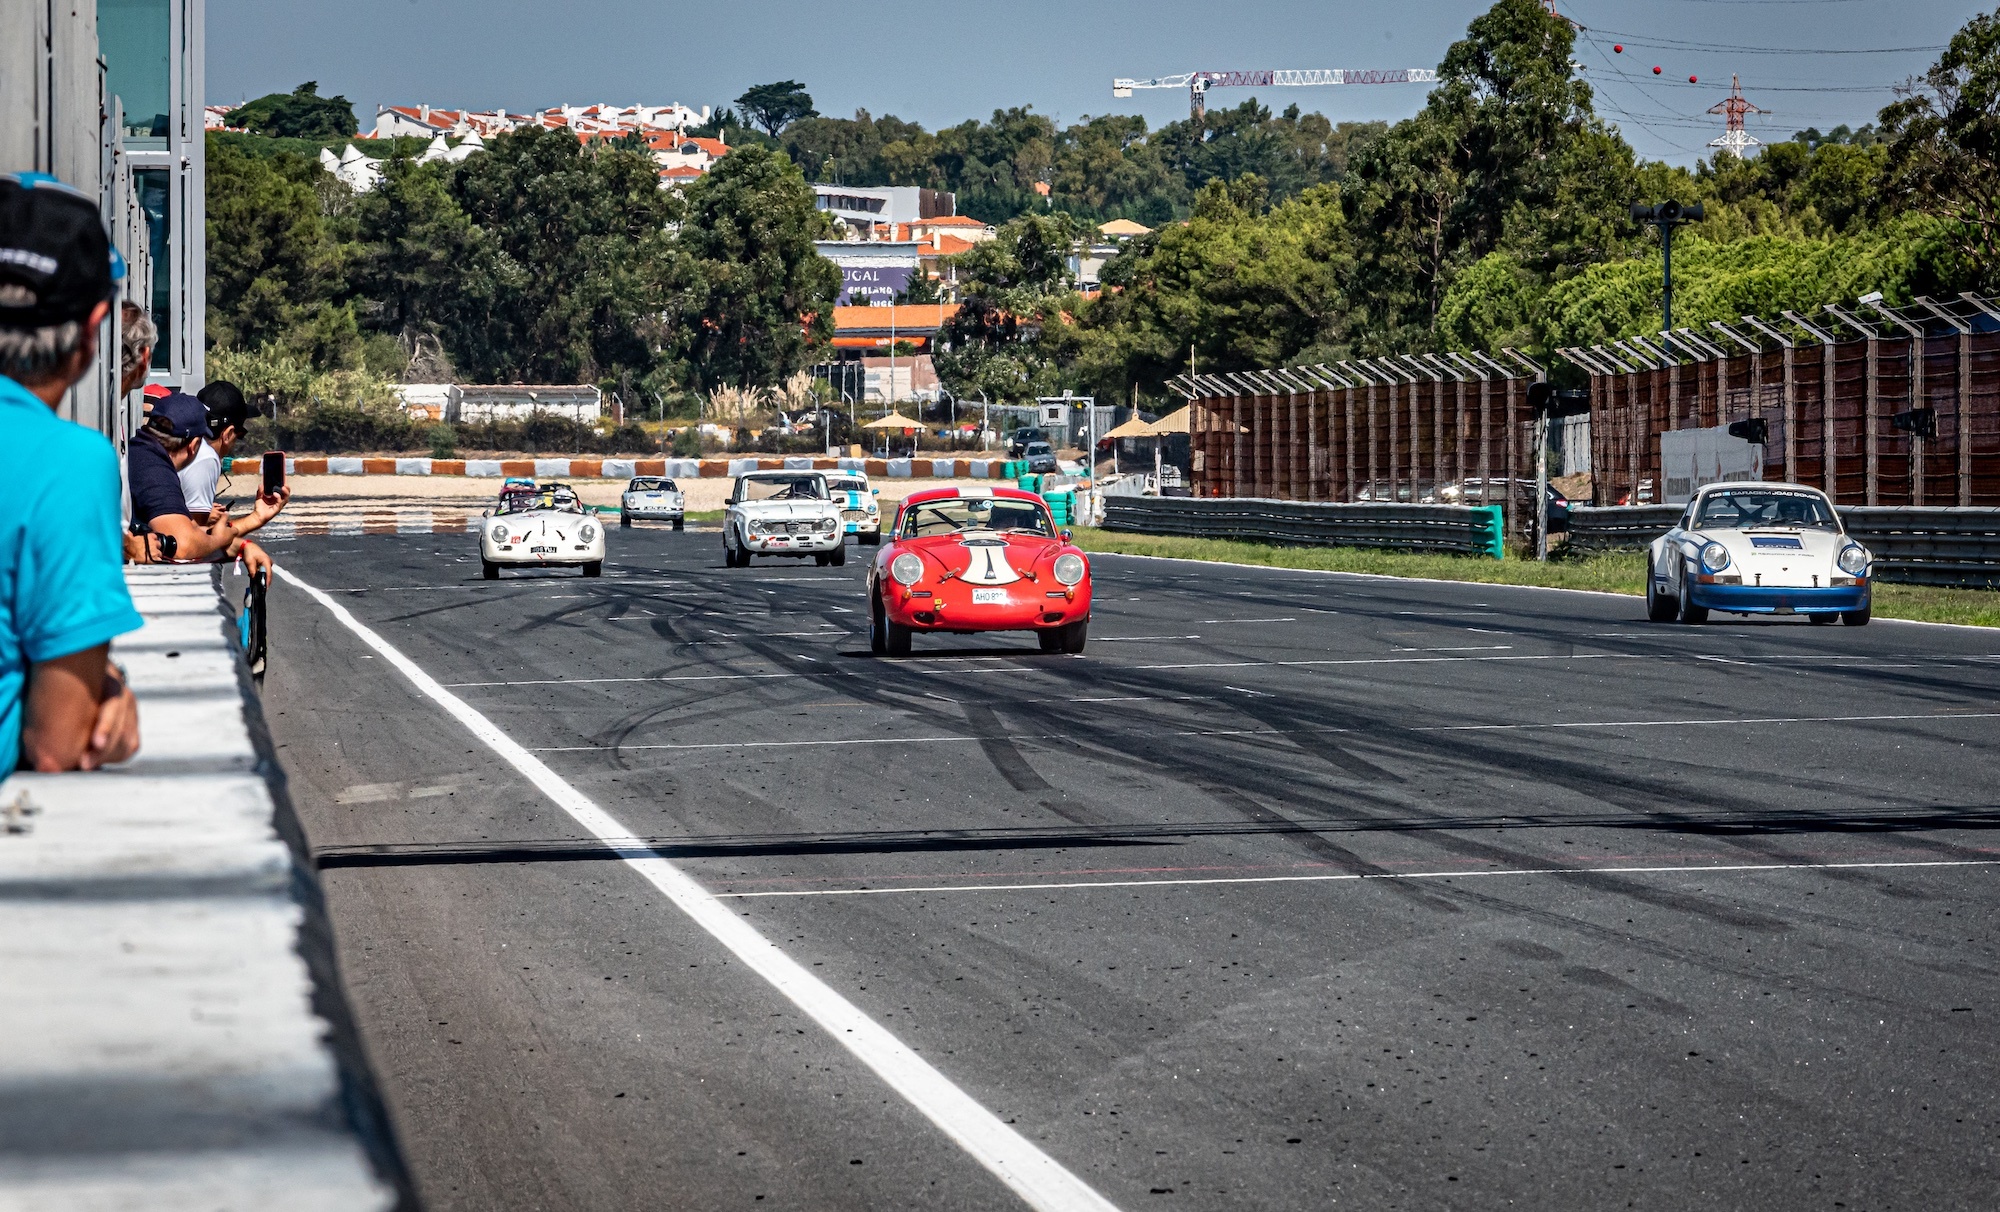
<point x="165" y="445"/>
<point x="63" y="705"/>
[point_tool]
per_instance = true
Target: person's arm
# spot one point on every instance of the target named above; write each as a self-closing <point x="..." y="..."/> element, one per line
<point x="197" y="542"/>
<point x="78" y="714"/>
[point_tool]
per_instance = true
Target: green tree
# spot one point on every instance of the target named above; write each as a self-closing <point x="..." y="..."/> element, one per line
<point x="299" y="114"/>
<point x="758" y="297"/>
<point x="422" y="269"/>
<point x="776" y="106"/>
<point x="1944" y="141"/>
<point x="275" y="259"/>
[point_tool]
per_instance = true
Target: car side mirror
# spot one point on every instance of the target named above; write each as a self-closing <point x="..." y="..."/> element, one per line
<point x="1065" y="536"/>
<point x="874" y="492"/>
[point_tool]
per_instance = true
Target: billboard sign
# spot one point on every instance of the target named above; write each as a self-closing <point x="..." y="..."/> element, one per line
<point x="873" y="284"/>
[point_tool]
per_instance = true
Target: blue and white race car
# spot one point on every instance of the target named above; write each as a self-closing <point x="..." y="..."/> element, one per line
<point x="859" y="514"/>
<point x="1754" y="548"/>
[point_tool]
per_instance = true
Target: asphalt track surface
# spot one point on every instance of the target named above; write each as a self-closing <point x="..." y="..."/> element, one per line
<point x="1295" y="891"/>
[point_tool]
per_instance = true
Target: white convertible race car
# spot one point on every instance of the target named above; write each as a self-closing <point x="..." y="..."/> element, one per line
<point x="782" y="513"/>
<point x="1753" y="548"/>
<point x="860" y="516"/>
<point x="652" y="499"/>
<point x="542" y="527"/>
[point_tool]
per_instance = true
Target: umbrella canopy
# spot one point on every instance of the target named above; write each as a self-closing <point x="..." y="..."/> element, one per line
<point x="894" y="420"/>
<point x="1134" y="428"/>
<point x="1173" y="422"/>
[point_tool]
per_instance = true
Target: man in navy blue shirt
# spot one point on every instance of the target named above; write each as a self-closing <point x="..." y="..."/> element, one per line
<point x="63" y="705"/>
<point x="164" y="445"/>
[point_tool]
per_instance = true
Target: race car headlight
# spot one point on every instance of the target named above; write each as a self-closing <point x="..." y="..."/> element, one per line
<point x="1853" y="560"/>
<point x="588" y="534"/>
<point x="500" y="532"/>
<point x="756" y="528"/>
<point x="872" y="509"/>
<point x="907" y="569"/>
<point x="829" y="524"/>
<point x="1714" y="557"/>
<point x="1069" y="568"/>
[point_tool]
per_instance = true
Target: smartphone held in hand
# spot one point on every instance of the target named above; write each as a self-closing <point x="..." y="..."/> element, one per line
<point x="274" y="472"/>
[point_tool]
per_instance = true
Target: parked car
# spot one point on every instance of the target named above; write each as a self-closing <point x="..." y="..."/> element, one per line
<point x="652" y="499"/>
<point x="1755" y="548"/>
<point x="970" y="560"/>
<point x="1516" y="494"/>
<point x="1041" y="457"/>
<point x="545" y="527"/>
<point x="782" y="513"/>
<point x="1019" y="441"/>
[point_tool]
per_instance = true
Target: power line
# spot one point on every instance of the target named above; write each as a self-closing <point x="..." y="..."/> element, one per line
<point x="1678" y="44"/>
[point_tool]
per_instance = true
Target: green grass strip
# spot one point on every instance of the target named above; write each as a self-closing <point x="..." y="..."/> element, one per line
<point x="1610" y="572"/>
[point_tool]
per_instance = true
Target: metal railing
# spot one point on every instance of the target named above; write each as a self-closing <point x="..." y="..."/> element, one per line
<point x="1951" y="546"/>
<point x="1453" y="529"/>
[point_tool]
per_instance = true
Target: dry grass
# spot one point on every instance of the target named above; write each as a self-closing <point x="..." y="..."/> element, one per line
<point x="1613" y="572"/>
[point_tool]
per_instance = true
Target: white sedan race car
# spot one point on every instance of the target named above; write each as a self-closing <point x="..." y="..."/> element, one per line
<point x="782" y="513"/>
<point x="1754" y="548"/>
<point x="860" y="516"/>
<point x="541" y="527"/>
<point x="652" y="499"/>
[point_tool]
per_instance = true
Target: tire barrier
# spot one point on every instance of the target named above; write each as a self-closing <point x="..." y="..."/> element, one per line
<point x="1473" y="530"/>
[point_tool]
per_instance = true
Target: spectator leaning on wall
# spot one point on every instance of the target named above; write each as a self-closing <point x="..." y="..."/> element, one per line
<point x="136" y="335"/>
<point x="63" y="705"/>
<point x="228" y="415"/>
<point x="166" y="445"/>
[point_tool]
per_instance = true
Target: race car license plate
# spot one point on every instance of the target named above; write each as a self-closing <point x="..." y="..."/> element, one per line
<point x="989" y="597"/>
<point x="540" y="550"/>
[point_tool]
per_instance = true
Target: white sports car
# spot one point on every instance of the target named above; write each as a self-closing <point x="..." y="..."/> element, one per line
<point x="543" y="526"/>
<point x="652" y="499"/>
<point x="782" y="513"/>
<point x="1755" y="548"/>
<point x="860" y="516"/>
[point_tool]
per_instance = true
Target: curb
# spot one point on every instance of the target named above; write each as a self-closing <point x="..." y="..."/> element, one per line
<point x="621" y="469"/>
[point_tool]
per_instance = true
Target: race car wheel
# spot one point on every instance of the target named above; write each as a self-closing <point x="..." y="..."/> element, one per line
<point x="896" y="638"/>
<point x="838" y="556"/>
<point x="679" y="523"/>
<point x="594" y="568"/>
<point x="1659" y="607"/>
<point x="1859" y="618"/>
<point x="1689" y="612"/>
<point x="822" y="558"/>
<point x="1051" y="638"/>
<point x="624" y="523"/>
<point x="489" y="570"/>
<point x="1074" y="635"/>
<point x="878" y="631"/>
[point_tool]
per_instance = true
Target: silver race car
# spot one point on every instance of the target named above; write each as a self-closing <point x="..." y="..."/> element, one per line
<point x="1756" y="548"/>
<point x="652" y="499"/>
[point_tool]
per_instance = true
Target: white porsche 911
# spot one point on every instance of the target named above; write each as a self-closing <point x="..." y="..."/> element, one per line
<point x="1754" y="548"/>
<point x="652" y="499"/>
<point x="541" y="527"/>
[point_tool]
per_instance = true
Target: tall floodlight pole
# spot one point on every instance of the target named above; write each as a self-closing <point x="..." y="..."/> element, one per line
<point x="1666" y="216"/>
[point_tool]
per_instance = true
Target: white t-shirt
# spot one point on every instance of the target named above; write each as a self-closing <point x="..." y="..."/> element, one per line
<point x="198" y="479"/>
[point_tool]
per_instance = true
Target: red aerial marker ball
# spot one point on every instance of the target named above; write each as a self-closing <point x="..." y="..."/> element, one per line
<point x="1617" y="49"/>
<point x="1692" y="80"/>
<point x="1656" y="71"/>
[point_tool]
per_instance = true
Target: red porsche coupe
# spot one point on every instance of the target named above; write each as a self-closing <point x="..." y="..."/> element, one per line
<point x="967" y="560"/>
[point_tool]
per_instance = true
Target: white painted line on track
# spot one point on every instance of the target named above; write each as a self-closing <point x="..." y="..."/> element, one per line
<point x="1141" y="639"/>
<point x="1247" y="620"/>
<point x="1769" y="719"/>
<point x="1359" y="876"/>
<point x="1466" y="648"/>
<point x="1038" y="1179"/>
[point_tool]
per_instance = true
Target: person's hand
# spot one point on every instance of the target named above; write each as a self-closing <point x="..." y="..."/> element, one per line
<point x="115" y="735"/>
<point x="255" y="560"/>
<point x="269" y="504"/>
<point x="217" y="512"/>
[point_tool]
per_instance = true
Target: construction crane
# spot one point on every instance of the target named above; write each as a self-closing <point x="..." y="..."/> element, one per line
<point x="1198" y="83"/>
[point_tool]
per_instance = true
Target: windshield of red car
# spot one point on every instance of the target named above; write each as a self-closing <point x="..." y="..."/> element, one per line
<point x="1747" y="508"/>
<point x="977" y="513"/>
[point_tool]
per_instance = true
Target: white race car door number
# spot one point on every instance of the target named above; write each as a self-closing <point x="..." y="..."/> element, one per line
<point x="989" y="597"/>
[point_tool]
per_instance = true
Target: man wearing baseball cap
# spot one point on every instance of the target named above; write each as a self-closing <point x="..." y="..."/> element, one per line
<point x="63" y="705"/>
<point x="165" y="446"/>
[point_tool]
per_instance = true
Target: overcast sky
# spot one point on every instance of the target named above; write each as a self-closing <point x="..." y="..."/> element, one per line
<point x="942" y="62"/>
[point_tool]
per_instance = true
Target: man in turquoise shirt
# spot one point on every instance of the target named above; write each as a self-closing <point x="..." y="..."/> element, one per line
<point x="63" y="706"/>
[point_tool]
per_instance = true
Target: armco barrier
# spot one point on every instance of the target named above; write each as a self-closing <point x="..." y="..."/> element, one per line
<point x="163" y="958"/>
<point x="1456" y="529"/>
<point x="1911" y="544"/>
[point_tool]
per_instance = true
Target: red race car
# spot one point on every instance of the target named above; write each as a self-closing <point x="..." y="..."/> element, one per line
<point x="966" y="560"/>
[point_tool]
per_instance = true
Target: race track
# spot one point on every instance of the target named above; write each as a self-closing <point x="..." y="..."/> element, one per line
<point x="1296" y="891"/>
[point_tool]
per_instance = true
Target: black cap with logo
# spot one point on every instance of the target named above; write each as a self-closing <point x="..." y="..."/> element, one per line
<point x="56" y="261"/>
